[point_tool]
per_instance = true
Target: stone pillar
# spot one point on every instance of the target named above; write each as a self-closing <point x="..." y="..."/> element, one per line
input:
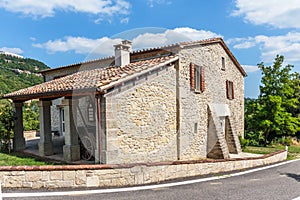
<point x="45" y="144"/>
<point x="71" y="148"/>
<point x="19" y="140"/>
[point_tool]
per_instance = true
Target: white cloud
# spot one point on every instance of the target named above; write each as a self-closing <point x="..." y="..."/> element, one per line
<point x="277" y="13"/>
<point x="148" y="40"/>
<point x="152" y="3"/>
<point x="242" y="43"/>
<point x="12" y="50"/>
<point x="32" y="38"/>
<point x="125" y="20"/>
<point x="42" y="9"/>
<point x="250" y="68"/>
<point x="287" y="45"/>
<point x="104" y="46"/>
<point x="80" y="45"/>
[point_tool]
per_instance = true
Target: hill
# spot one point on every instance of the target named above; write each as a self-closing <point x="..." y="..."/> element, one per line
<point x="17" y="73"/>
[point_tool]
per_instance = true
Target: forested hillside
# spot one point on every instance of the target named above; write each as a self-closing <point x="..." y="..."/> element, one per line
<point x="17" y="73"/>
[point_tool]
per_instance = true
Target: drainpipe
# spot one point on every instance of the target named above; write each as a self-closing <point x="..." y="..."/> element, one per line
<point x="99" y="138"/>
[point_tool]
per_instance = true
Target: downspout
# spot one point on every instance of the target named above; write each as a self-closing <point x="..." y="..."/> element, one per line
<point x="177" y="110"/>
<point x="99" y="133"/>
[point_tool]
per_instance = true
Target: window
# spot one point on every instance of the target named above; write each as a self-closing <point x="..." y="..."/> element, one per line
<point x="229" y="90"/>
<point x="90" y="112"/>
<point x="223" y="64"/>
<point x="197" y="78"/>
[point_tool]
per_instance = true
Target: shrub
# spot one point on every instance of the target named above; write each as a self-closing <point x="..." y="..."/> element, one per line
<point x="255" y="138"/>
<point x="244" y="142"/>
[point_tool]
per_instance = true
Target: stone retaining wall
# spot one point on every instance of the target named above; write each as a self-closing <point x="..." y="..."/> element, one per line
<point x="123" y="175"/>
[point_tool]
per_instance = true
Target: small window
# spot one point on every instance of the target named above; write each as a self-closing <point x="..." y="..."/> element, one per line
<point x="197" y="78"/>
<point x="230" y="90"/>
<point x="195" y="127"/>
<point x="223" y="64"/>
<point x="91" y="112"/>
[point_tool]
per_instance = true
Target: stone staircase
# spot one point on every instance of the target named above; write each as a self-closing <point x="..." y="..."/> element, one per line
<point x="223" y="144"/>
<point x="232" y="139"/>
<point x="220" y="149"/>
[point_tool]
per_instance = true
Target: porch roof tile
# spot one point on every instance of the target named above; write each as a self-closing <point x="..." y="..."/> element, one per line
<point x="96" y="79"/>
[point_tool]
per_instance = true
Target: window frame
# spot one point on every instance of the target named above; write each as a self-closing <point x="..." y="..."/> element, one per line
<point x="90" y="112"/>
<point x="223" y="64"/>
<point x="197" y="81"/>
<point x="197" y="78"/>
<point x="229" y="90"/>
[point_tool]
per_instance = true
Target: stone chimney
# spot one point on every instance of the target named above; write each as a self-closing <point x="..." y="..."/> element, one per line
<point x="122" y="53"/>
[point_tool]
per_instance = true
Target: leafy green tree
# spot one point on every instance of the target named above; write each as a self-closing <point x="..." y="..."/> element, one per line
<point x="6" y="126"/>
<point x="254" y="136"/>
<point x="277" y="101"/>
<point x="30" y="116"/>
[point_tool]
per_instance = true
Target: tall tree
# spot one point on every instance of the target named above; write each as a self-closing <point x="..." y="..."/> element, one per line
<point x="278" y="100"/>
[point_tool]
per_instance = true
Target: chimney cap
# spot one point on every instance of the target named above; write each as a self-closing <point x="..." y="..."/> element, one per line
<point x="126" y="42"/>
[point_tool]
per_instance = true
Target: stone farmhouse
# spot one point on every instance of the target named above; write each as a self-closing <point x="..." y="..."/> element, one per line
<point x="179" y="102"/>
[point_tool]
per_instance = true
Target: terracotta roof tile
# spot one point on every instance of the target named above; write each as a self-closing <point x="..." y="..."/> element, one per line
<point x="166" y="47"/>
<point x="89" y="79"/>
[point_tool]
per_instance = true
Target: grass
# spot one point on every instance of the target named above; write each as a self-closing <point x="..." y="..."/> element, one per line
<point x="16" y="160"/>
<point x="293" y="151"/>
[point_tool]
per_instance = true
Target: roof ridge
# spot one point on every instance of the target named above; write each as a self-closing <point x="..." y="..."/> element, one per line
<point x="178" y="44"/>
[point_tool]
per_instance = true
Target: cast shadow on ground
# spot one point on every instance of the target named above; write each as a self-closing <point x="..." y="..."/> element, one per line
<point x="294" y="176"/>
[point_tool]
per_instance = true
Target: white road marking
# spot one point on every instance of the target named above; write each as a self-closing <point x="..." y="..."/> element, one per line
<point x="216" y="183"/>
<point x="255" y="179"/>
<point x="146" y="187"/>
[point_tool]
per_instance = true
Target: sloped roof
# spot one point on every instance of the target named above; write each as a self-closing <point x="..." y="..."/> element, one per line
<point x="167" y="47"/>
<point x="96" y="79"/>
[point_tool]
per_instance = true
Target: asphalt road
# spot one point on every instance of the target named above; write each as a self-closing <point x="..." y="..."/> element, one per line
<point x="281" y="182"/>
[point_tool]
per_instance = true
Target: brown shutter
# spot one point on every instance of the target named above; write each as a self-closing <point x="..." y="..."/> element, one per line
<point x="227" y="89"/>
<point x="232" y="96"/>
<point x="192" y="76"/>
<point x="202" y="84"/>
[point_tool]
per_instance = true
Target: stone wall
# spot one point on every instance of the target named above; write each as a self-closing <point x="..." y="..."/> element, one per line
<point x="78" y="176"/>
<point x="194" y="105"/>
<point x="141" y="119"/>
<point x="55" y="115"/>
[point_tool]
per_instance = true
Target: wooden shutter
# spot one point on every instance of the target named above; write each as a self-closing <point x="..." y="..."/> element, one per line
<point x="192" y="76"/>
<point x="232" y="89"/>
<point x="227" y="89"/>
<point x="202" y="84"/>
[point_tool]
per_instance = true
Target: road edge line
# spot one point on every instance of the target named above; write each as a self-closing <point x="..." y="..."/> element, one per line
<point x="146" y="187"/>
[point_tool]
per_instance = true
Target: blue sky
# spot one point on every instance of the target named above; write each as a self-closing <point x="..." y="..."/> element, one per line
<point x="62" y="32"/>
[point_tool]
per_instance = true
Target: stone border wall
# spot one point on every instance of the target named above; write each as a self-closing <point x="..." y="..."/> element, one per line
<point x="123" y="175"/>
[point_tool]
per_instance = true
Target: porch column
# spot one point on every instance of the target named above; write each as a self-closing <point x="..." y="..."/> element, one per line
<point x="45" y="144"/>
<point x="71" y="148"/>
<point x="19" y="140"/>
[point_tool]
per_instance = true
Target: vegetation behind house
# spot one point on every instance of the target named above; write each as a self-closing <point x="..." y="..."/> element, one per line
<point x="274" y="117"/>
<point x="17" y="73"/>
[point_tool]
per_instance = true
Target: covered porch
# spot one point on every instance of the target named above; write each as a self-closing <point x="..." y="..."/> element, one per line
<point x="78" y="143"/>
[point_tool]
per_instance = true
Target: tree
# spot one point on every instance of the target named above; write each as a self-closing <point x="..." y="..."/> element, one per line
<point x="252" y="133"/>
<point x="278" y="101"/>
<point x="30" y="116"/>
<point x="6" y="125"/>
